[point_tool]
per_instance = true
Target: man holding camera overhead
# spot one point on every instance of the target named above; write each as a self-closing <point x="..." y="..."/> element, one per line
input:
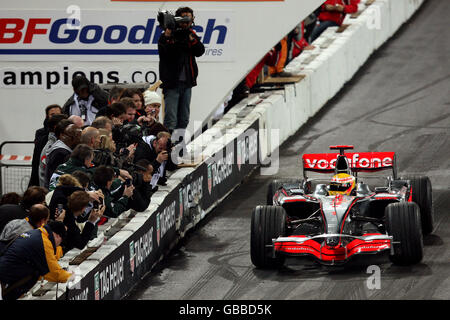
<point x="178" y="46"/>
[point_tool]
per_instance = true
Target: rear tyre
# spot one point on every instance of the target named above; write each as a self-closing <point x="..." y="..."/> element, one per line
<point x="422" y="195"/>
<point x="404" y="225"/>
<point x="268" y="222"/>
<point x="276" y="184"/>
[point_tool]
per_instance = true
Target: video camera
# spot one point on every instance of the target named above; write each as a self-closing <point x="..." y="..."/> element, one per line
<point x="169" y="146"/>
<point x="128" y="134"/>
<point x="169" y="21"/>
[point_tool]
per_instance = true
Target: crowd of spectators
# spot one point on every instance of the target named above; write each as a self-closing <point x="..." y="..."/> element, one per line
<point x="99" y="155"/>
<point x="330" y="13"/>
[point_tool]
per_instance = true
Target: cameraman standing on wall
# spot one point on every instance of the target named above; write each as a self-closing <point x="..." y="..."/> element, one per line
<point x="178" y="46"/>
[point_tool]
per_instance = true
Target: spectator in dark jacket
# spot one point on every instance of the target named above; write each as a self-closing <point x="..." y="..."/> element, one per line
<point x="67" y="184"/>
<point x="87" y="100"/>
<point x="76" y="205"/>
<point x="33" y="195"/>
<point x="40" y="139"/>
<point x="60" y="151"/>
<point x="178" y="69"/>
<point x="37" y="217"/>
<point x="53" y="136"/>
<point x="116" y="195"/>
<point x="140" y="200"/>
<point x="32" y="255"/>
<point x="80" y="159"/>
<point x="154" y="149"/>
<point x="10" y="198"/>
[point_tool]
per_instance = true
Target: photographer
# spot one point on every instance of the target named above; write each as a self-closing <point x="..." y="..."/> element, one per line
<point x="157" y="150"/>
<point x="76" y="204"/>
<point x="178" y="46"/>
<point x="115" y="197"/>
<point x="143" y="189"/>
<point x="108" y="155"/>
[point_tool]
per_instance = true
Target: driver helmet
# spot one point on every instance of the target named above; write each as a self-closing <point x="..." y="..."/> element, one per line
<point x="342" y="183"/>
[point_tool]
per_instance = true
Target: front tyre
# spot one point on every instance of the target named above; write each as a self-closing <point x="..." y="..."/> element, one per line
<point x="403" y="223"/>
<point x="268" y="222"/>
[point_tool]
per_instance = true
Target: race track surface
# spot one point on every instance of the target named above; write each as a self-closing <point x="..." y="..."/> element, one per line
<point x="399" y="101"/>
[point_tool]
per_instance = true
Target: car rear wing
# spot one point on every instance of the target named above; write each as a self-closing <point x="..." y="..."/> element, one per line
<point x="357" y="162"/>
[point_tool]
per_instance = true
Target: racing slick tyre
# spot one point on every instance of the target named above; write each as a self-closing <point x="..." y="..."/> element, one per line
<point x="404" y="225"/>
<point x="268" y="222"/>
<point x="422" y="195"/>
<point x="276" y="184"/>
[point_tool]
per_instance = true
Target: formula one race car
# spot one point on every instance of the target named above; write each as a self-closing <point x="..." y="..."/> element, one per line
<point x="344" y="218"/>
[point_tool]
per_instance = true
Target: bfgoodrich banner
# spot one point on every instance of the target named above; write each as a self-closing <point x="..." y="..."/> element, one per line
<point x="103" y="35"/>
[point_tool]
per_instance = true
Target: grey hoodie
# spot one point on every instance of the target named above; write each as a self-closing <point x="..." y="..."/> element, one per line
<point x="57" y="145"/>
<point x="43" y="158"/>
<point x="14" y="228"/>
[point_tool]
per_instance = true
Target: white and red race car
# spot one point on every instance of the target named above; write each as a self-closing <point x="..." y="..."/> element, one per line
<point x="336" y="221"/>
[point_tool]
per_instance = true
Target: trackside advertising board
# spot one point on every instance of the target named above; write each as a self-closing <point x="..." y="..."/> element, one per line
<point x="183" y="207"/>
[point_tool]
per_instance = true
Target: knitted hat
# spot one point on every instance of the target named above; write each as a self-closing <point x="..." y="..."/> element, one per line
<point x="152" y="97"/>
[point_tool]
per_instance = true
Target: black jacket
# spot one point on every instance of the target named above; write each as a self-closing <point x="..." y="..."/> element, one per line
<point x="60" y="196"/>
<point x="144" y="151"/>
<point x="40" y="140"/>
<point x="174" y="52"/>
<point x="140" y="200"/>
<point x="76" y="238"/>
<point x="10" y="212"/>
<point x="100" y="98"/>
<point x="54" y="159"/>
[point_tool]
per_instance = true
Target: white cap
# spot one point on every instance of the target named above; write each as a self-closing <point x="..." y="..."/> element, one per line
<point x="152" y="97"/>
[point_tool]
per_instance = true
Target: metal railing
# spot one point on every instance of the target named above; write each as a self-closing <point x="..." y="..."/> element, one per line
<point x="15" y="172"/>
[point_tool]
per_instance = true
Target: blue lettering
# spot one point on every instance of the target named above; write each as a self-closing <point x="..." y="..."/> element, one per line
<point x="210" y="28"/>
<point x="71" y="33"/>
<point x="98" y="30"/>
<point x="122" y="34"/>
<point x="132" y="38"/>
<point x="61" y="33"/>
<point x="158" y="33"/>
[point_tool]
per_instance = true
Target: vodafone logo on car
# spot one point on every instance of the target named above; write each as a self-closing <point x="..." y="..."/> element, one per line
<point x="358" y="160"/>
